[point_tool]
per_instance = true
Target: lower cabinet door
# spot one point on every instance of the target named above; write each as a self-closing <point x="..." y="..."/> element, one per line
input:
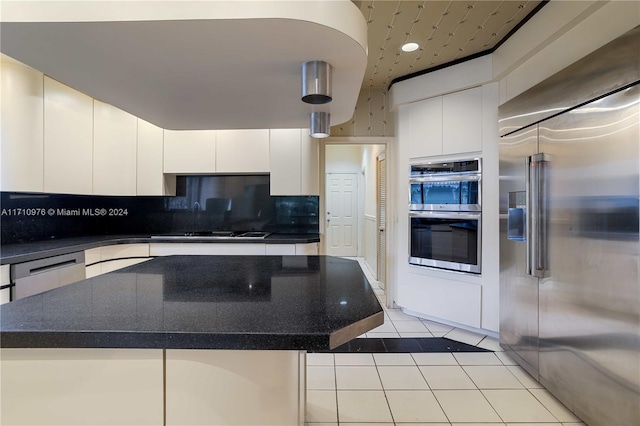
<point x="56" y="387"/>
<point x="93" y="270"/>
<point x="116" y="264"/>
<point x="5" y="295"/>
<point x="280" y="249"/>
<point x="235" y="387"/>
<point x="307" y="249"/>
<point x="220" y="249"/>
<point x="5" y="280"/>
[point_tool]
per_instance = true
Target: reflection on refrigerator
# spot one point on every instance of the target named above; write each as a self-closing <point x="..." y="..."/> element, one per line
<point x="569" y="244"/>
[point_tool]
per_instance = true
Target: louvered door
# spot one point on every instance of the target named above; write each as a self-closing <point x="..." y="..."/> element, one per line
<point x="382" y="219"/>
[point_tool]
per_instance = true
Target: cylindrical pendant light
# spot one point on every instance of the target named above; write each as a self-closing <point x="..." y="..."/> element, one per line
<point x="316" y="82"/>
<point x="319" y="127"/>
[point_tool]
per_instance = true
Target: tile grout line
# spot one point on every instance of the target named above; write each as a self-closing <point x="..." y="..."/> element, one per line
<point x="545" y="407"/>
<point x="335" y="378"/>
<point x="491" y="405"/>
<point x="384" y="391"/>
<point x="432" y="391"/>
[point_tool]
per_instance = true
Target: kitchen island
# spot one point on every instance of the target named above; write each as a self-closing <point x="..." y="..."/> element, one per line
<point x="180" y="340"/>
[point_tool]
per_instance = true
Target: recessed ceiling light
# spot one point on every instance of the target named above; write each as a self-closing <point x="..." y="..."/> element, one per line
<point x="410" y="47"/>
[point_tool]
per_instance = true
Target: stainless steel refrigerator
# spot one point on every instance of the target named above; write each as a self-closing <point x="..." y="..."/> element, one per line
<point x="569" y="243"/>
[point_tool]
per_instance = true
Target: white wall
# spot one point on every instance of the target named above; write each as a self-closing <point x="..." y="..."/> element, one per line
<point x="561" y="33"/>
<point x="343" y="159"/>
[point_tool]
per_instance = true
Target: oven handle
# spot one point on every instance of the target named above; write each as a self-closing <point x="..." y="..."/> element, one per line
<point x="448" y="178"/>
<point x="446" y="215"/>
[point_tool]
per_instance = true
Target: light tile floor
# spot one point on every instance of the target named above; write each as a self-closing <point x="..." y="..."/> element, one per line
<point x="427" y="389"/>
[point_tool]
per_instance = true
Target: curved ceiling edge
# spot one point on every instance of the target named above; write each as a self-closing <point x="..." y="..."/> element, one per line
<point x="195" y="74"/>
<point x="341" y="15"/>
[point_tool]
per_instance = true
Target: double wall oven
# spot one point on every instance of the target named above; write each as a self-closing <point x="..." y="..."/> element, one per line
<point x="445" y="215"/>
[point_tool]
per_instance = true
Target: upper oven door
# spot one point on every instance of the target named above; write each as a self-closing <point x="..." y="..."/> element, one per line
<point x="446" y="193"/>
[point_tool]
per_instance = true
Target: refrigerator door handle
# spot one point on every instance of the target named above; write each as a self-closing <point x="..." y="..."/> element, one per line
<point x="528" y="215"/>
<point x="536" y="206"/>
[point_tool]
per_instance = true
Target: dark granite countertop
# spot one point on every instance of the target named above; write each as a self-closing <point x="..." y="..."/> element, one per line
<point x="202" y="302"/>
<point x="25" y="252"/>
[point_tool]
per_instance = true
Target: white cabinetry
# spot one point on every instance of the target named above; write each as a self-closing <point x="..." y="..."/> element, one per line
<point x="150" y="177"/>
<point x="294" y="162"/>
<point x="5" y="280"/>
<point x="169" y="249"/>
<point x="68" y="139"/>
<point x="299" y="249"/>
<point x="424" y="120"/>
<point x="449" y="124"/>
<point x="234" y="387"/>
<point x="114" y="150"/>
<point x="242" y="151"/>
<point x="309" y="160"/>
<point x="280" y="249"/>
<point x="255" y="249"/>
<point x="307" y="249"/>
<point x="189" y="151"/>
<point x="462" y="121"/>
<point x="22" y="148"/>
<point x="82" y="386"/>
<point x="101" y="260"/>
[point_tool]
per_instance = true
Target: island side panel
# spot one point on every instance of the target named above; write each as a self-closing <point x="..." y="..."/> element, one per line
<point x="81" y="386"/>
<point x="229" y="387"/>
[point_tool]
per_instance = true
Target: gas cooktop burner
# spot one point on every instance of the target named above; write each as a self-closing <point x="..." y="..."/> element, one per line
<point x="257" y="235"/>
<point x="210" y="234"/>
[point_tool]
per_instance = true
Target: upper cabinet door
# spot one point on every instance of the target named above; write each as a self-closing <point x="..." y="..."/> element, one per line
<point x="285" y="162"/>
<point x="309" y="164"/>
<point x="462" y="121"/>
<point x="425" y="127"/>
<point x="190" y="151"/>
<point x="150" y="177"/>
<point x="68" y="139"/>
<point x="242" y="151"/>
<point x="294" y="162"/>
<point x="114" y="150"/>
<point x="21" y="152"/>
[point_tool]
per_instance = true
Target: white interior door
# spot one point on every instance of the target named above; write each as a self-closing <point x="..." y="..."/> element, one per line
<point x="342" y="214"/>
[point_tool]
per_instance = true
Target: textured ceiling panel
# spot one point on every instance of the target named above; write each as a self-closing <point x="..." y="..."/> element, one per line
<point x="445" y="30"/>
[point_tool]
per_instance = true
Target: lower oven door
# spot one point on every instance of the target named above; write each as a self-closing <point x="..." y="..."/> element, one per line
<point x="448" y="240"/>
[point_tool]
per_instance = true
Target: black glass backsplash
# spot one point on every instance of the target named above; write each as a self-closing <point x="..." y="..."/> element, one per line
<point x="203" y="203"/>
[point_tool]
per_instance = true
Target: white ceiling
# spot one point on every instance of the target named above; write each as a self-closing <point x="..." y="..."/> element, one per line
<point x="202" y="69"/>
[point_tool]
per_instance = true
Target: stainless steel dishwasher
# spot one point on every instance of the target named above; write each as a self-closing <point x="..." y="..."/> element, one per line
<point x="41" y="275"/>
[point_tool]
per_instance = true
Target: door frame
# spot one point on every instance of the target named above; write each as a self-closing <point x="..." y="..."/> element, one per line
<point x="389" y="145"/>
